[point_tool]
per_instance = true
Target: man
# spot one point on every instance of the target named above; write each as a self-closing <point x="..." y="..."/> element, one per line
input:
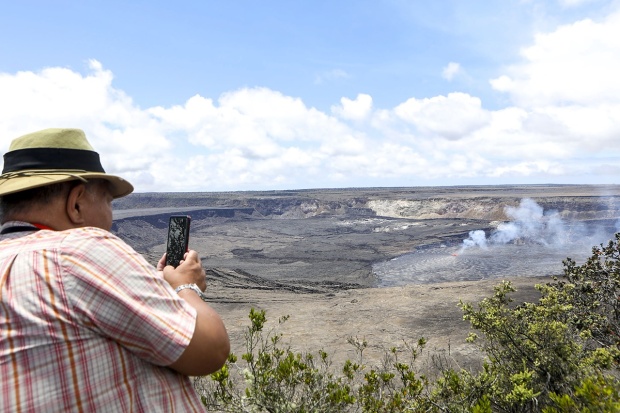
<point x="86" y="324"/>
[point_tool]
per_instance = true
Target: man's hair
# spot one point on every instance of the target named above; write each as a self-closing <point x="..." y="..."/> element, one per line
<point x="13" y="204"/>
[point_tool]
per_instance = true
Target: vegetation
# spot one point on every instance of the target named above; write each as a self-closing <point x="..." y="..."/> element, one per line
<point x="560" y="354"/>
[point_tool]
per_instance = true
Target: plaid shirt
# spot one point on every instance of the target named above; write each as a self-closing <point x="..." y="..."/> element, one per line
<point x="87" y="325"/>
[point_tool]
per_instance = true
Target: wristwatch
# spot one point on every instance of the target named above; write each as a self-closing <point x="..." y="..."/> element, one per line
<point x="192" y="287"/>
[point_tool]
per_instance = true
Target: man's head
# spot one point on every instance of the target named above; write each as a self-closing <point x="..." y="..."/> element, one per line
<point x="55" y="175"/>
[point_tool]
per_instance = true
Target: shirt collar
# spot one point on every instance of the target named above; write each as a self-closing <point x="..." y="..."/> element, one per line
<point x="17" y="226"/>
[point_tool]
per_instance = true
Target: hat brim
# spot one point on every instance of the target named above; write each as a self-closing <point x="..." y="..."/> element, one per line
<point x="24" y="180"/>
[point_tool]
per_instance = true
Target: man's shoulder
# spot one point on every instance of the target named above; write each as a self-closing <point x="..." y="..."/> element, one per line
<point x="75" y="238"/>
<point x="66" y="240"/>
<point x="97" y="246"/>
<point x="90" y="234"/>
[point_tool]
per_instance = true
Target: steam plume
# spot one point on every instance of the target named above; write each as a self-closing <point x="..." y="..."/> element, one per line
<point x="529" y="223"/>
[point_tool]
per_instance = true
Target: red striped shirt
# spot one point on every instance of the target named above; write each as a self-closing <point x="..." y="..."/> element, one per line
<point x="87" y="325"/>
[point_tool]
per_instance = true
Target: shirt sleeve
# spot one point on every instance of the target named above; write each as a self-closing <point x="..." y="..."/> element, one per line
<point x="117" y="294"/>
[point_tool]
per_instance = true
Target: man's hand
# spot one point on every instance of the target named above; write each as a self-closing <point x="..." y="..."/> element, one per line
<point x="189" y="271"/>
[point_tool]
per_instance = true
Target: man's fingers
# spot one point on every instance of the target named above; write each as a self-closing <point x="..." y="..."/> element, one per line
<point x="161" y="263"/>
<point x="191" y="254"/>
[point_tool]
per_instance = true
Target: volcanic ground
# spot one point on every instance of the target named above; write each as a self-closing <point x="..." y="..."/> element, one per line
<point x="386" y="265"/>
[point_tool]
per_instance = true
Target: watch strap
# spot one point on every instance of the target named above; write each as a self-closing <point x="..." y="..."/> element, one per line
<point x="192" y="287"/>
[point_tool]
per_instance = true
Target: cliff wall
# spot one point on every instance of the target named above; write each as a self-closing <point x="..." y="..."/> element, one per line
<point x="578" y="204"/>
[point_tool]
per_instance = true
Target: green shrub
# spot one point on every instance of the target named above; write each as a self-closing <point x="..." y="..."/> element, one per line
<point x="272" y="378"/>
<point x="593" y="291"/>
<point x="594" y="394"/>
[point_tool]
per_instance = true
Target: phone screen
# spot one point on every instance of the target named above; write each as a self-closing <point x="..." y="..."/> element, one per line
<point x="178" y="239"/>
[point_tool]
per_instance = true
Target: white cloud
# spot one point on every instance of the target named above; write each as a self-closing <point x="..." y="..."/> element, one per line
<point x="451" y="117"/>
<point x="357" y="109"/>
<point x="451" y="70"/>
<point x="568" y="91"/>
<point x="575" y="64"/>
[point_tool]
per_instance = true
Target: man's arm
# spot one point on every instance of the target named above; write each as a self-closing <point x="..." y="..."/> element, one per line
<point x="209" y="347"/>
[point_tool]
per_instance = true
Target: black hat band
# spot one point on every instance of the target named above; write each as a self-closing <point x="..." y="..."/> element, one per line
<point x="52" y="158"/>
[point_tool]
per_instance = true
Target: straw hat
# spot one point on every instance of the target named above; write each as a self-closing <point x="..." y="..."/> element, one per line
<point x="51" y="156"/>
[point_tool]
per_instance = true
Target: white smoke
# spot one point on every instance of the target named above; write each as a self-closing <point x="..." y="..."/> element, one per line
<point x="530" y="224"/>
<point x="476" y="238"/>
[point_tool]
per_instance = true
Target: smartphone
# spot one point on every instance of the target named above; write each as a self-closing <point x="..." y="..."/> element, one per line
<point x="178" y="239"/>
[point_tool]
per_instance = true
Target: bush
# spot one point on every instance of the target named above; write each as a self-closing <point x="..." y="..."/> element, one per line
<point x="593" y="292"/>
<point x="557" y="355"/>
<point x="272" y="378"/>
<point x="533" y="350"/>
<point x="594" y="394"/>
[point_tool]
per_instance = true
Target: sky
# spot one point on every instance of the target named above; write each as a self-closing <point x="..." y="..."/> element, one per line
<point x="268" y="95"/>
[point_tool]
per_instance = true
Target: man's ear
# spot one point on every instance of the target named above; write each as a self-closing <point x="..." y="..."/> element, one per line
<point x="75" y="201"/>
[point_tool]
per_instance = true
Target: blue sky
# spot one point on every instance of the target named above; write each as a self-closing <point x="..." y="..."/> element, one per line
<point x="210" y="96"/>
